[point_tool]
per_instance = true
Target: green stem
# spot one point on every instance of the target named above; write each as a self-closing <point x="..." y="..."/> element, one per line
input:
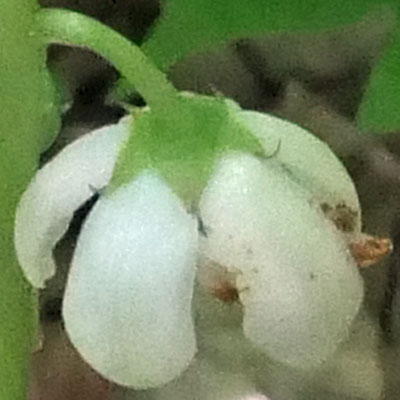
<point x="71" y="28"/>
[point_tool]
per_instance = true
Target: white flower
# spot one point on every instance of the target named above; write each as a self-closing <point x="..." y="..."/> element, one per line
<point x="127" y="301"/>
<point x="267" y="231"/>
<point x="264" y="222"/>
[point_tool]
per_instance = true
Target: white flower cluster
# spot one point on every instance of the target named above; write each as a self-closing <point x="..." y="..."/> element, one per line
<point x="270" y="235"/>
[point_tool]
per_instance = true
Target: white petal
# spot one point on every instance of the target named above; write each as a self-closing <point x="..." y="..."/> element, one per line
<point x="355" y="370"/>
<point x="127" y="305"/>
<point x="57" y="190"/>
<point x="310" y="161"/>
<point x="205" y="380"/>
<point x="299" y="287"/>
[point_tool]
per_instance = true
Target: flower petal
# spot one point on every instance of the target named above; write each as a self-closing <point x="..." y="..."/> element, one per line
<point x="205" y="380"/>
<point x="355" y="371"/>
<point x="299" y="286"/>
<point x="127" y="305"/>
<point x="309" y="160"/>
<point x="57" y="190"/>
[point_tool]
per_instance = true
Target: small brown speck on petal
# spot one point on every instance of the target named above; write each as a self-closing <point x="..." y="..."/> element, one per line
<point x="226" y="292"/>
<point x="344" y="218"/>
<point x="370" y="250"/>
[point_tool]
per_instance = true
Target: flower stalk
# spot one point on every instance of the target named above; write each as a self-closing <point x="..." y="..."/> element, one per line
<point x="28" y="121"/>
<point x="72" y="28"/>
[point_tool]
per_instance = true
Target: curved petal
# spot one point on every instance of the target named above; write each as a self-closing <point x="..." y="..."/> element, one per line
<point x="127" y="305"/>
<point x="57" y="190"/>
<point x="299" y="286"/>
<point x="205" y="380"/>
<point x="355" y="371"/>
<point x="309" y="160"/>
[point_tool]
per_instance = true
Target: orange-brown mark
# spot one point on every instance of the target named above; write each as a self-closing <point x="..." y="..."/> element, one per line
<point x="341" y="215"/>
<point x="370" y="250"/>
<point x="225" y="291"/>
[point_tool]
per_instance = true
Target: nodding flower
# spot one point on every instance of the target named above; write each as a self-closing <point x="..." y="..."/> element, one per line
<point x="269" y="242"/>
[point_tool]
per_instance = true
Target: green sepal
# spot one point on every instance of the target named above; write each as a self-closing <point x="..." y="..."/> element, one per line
<point x="183" y="141"/>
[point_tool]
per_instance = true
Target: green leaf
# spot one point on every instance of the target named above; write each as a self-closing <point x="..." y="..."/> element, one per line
<point x="189" y="26"/>
<point x="379" y="110"/>
<point x="182" y="141"/>
<point x="28" y="123"/>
